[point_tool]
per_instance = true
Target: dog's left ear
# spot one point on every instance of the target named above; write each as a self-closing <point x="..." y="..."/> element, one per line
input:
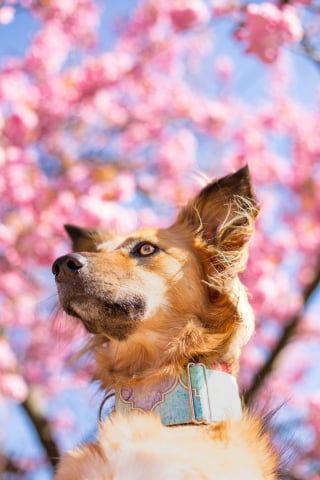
<point x="222" y="216"/>
<point x="84" y="239"/>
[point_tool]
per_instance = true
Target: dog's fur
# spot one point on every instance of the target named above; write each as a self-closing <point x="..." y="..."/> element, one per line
<point x="157" y="299"/>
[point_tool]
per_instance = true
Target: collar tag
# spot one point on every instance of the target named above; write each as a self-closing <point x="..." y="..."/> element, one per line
<point x="213" y="395"/>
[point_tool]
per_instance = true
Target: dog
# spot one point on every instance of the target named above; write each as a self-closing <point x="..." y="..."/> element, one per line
<point x="169" y="316"/>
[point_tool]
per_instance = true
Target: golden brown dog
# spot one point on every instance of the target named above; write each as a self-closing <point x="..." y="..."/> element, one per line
<point x="165" y="305"/>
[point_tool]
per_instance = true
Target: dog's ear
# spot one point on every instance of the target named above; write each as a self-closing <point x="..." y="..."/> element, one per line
<point x="222" y="215"/>
<point x="83" y="239"/>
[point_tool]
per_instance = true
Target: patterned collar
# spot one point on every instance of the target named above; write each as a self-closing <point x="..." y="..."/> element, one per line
<point x="198" y="396"/>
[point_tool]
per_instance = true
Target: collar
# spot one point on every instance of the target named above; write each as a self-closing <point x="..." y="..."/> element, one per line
<point x="200" y="395"/>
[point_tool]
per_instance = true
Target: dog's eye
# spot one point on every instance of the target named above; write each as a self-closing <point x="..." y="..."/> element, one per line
<point x="144" y="249"/>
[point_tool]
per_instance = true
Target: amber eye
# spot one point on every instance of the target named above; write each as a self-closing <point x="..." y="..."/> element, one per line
<point x="144" y="249"/>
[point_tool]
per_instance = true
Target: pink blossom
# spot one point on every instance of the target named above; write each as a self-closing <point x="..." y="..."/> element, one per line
<point x="177" y="154"/>
<point x="140" y="133"/>
<point x="103" y="71"/>
<point x="110" y="214"/>
<point x="21" y="125"/>
<point x="16" y="88"/>
<point x="211" y="116"/>
<point x="186" y="14"/>
<point x="7" y="235"/>
<point x="49" y="49"/>
<point x="77" y="18"/>
<point x="64" y="421"/>
<point x="268" y="27"/>
<point x="125" y="187"/>
<point x="225" y="68"/>
<point x="115" y="113"/>
<point x="12" y="283"/>
<point x="225" y="7"/>
<point x="13" y="386"/>
<point x="7" y="357"/>
<point x="6" y="14"/>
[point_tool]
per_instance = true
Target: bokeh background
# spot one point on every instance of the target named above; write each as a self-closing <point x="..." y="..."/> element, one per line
<point x="112" y="114"/>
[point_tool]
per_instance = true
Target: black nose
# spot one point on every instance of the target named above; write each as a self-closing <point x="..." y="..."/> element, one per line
<point x="68" y="265"/>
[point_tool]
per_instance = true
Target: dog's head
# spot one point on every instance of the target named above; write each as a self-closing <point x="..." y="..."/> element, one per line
<point x="155" y="286"/>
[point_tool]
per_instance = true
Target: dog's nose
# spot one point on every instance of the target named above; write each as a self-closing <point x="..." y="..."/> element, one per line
<point x="68" y="265"/>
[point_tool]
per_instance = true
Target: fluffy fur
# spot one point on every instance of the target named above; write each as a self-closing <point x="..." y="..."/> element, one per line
<point x="157" y="299"/>
<point x="140" y="448"/>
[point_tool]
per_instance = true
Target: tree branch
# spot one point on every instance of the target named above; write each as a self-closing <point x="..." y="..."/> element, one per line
<point x="42" y="429"/>
<point x="287" y="333"/>
<point x="309" y="50"/>
<point x="8" y="466"/>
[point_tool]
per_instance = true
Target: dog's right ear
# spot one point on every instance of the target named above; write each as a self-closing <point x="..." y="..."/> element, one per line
<point x="84" y="239"/>
<point x="221" y="217"/>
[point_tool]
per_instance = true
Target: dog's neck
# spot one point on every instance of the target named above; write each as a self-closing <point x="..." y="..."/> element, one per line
<point x="147" y="373"/>
<point x="151" y="354"/>
<point x="113" y="368"/>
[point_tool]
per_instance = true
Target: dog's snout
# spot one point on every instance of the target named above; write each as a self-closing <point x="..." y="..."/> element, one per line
<point x="68" y="265"/>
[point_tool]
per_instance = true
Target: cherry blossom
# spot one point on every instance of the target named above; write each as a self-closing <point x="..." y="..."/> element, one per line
<point x="6" y="14"/>
<point x="186" y="14"/>
<point x="267" y="27"/>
